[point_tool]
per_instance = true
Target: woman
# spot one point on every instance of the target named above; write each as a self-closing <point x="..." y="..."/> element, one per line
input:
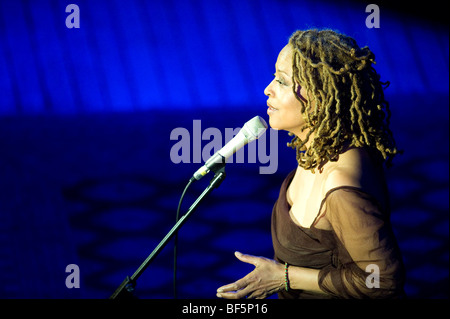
<point x="330" y="225"/>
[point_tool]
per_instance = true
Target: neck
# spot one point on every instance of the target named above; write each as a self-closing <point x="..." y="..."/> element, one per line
<point x="302" y="136"/>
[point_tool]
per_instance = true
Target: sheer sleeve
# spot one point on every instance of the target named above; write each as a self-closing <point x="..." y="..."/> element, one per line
<point x="369" y="262"/>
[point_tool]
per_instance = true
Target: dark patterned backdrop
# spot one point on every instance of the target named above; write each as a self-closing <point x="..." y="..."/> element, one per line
<point x="86" y="176"/>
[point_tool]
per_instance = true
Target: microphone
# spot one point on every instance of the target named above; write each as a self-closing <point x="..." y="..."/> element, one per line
<point x="252" y="130"/>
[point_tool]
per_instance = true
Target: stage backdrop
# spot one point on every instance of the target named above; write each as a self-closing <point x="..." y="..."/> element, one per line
<point x="101" y="101"/>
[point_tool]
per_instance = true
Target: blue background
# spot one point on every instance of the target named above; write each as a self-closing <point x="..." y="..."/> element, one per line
<point x="86" y="114"/>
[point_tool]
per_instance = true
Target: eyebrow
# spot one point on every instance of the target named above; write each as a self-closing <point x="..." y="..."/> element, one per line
<point x="281" y="71"/>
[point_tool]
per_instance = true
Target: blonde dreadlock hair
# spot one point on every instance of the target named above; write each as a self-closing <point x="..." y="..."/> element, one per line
<point x="346" y="105"/>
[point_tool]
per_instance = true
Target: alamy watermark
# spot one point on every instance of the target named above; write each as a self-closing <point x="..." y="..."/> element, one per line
<point x="189" y="148"/>
<point x="73" y="19"/>
<point x="373" y="279"/>
<point x="373" y="19"/>
<point x="73" y="279"/>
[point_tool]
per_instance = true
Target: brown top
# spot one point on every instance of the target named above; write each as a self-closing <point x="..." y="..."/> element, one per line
<point x="361" y="239"/>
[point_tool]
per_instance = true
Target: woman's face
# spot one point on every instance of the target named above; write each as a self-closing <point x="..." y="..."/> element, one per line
<point x="284" y="109"/>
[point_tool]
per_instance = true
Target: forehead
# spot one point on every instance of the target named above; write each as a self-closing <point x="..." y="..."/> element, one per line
<point x="284" y="60"/>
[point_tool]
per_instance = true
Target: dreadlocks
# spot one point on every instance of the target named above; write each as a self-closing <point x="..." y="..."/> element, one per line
<point x="346" y="105"/>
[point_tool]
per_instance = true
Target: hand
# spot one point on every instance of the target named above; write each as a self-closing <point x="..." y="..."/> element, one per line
<point x="266" y="279"/>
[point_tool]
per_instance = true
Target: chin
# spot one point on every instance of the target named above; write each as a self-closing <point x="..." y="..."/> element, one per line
<point x="273" y="125"/>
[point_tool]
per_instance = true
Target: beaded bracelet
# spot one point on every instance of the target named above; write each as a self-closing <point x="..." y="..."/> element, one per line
<point x="286" y="277"/>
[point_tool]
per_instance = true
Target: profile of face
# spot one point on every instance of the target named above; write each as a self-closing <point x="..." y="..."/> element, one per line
<point x="284" y="109"/>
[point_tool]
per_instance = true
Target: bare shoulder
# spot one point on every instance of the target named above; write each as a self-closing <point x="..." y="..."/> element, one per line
<point x="355" y="168"/>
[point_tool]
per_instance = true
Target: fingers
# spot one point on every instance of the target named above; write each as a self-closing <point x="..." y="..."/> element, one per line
<point x="232" y="295"/>
<point x="236" y="290"/>
<point x="249" y="259"/>
<point x="235" y="286"/>
<point x="233" y="291"/>
<point x="247" y="292"/>
<point x="239" y="289"/>
<point x="229" y="287"/>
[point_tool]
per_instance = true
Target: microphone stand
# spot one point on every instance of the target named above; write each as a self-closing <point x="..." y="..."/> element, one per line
<point x="126" y="288"/>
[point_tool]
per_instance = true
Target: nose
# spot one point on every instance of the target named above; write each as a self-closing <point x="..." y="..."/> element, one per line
<point x="268" y="90"/>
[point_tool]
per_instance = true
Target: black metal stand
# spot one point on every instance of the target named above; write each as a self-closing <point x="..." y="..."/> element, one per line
<point x="126" y="288"/>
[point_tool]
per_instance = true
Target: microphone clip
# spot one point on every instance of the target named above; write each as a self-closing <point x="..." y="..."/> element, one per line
<point x="215" y="163"/>
<point x="219" y="175"/>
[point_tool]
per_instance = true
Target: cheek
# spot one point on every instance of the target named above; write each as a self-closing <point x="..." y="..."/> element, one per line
<point x="302" y="94"/>
<point x="294" y="105"/>
<point x="289" y="116"/>
<point x="292" y="113"/>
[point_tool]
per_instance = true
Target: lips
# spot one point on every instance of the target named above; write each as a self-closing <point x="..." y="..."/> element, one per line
<point x="271" y="109"/>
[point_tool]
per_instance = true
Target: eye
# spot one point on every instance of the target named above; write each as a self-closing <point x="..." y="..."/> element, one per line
<point x="280" y="80"/>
